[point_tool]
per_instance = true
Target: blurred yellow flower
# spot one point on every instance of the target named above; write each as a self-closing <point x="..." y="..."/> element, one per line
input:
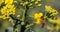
<point x="7" y="10"/>
<point x="49" y="9"/>
<point x="57" y="21"/>
<point x="38" y="16"/>
<point x="51" y="20"/>
<point x="8" y="1"/>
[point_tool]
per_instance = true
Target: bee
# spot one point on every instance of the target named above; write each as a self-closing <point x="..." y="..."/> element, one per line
<point x="42" y="21"/>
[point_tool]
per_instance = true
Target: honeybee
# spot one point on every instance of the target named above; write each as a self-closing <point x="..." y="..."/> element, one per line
<point x="42" y="21"/>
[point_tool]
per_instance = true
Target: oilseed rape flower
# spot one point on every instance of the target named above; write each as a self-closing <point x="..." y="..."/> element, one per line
<point x="50" y="10"/>
<point x="8" y="1"/>
<point x="57" y="21"/>
<point x="38" y="16"/>
<point x="7" y="10"/>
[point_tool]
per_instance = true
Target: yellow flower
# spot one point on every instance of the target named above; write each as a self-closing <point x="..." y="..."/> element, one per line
<point x="38" y="21"/>
<point x="58" y="20"/>
<point x="38" y="16"/>
<point x="49" y="9"/>
<point x="8" y="1"/>
<point x="7" y="10"/>
<point x="51" y="20"/>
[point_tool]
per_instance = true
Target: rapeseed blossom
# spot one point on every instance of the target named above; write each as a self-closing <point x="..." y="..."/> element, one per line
<point x="8" y="9"/>
<point x="57" y="22"/>
<point x="50" y="10"/>
<point x="8" y="1"/>
<point x="38" y="16"/>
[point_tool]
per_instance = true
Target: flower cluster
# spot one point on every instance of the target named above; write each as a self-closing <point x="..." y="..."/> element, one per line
<point x="50" y="10"/>
<point x="38" y="16"/>
<point x="8" y="9"/>
<point x="37" y="2"/>
<point x="8" y="1"/>
<point x="56" y="26"/>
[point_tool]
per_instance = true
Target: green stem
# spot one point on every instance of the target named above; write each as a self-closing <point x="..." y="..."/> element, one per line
<point x="24" y="18"/>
